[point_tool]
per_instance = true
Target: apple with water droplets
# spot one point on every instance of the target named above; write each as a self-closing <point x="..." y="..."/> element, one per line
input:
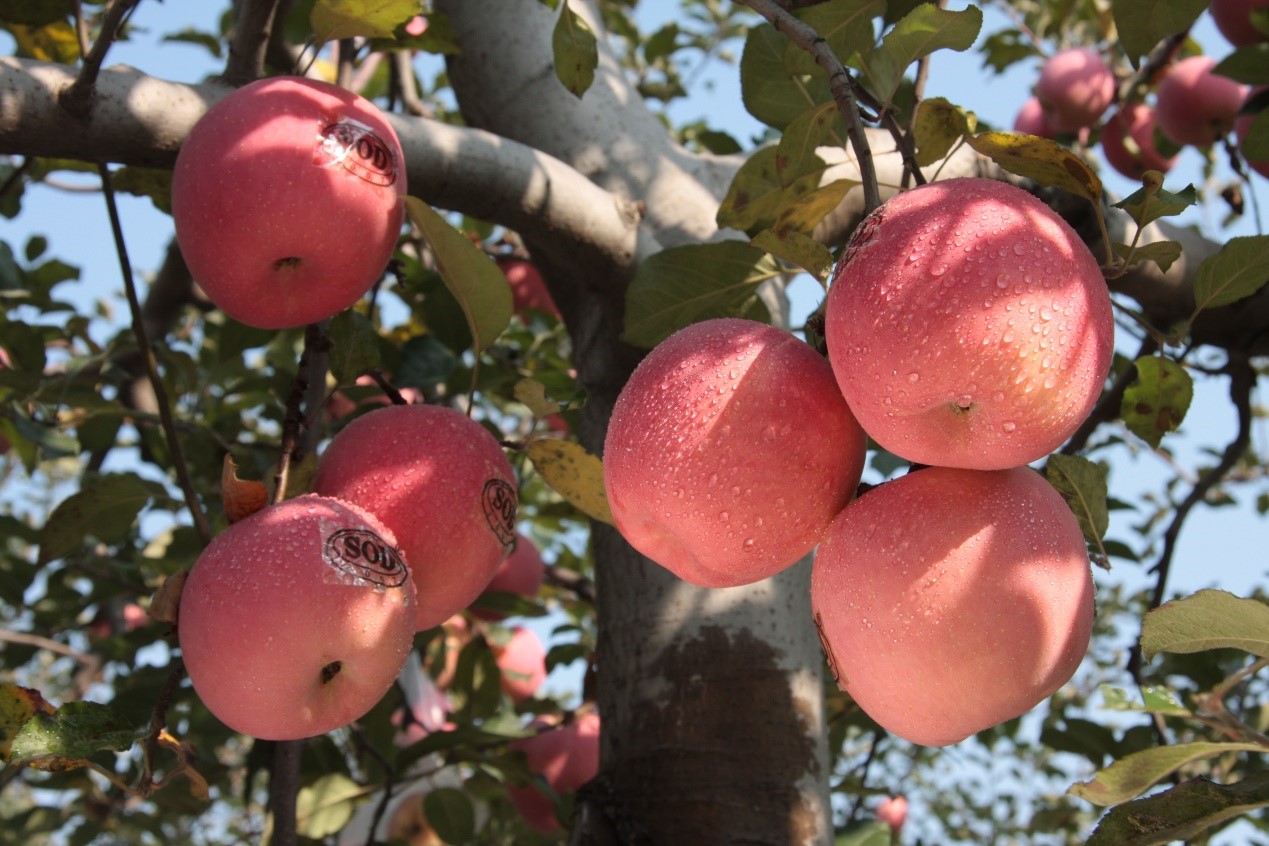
<point x="1195" y="106"/>
<point x="442" y="484"/>
<point x="949" y="601"/>
<point x="287" y="199"/>
<point x="296" y="620"/>
<point x="1075" y="87"/>
<point x="969" y="326"/>
<point x="729" y="451"/>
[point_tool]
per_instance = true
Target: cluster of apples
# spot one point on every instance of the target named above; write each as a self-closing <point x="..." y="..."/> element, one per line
<point x="968" y="328"/>
<point x="1193" y="105"/>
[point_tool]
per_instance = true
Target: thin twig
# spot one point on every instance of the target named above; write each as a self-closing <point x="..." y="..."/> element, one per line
<point x="158" y="716"/>
<point x="293" y="423"/>
<point x="250" y="41"/>
<point x="840" y="83"/>
<point x="166" y="419"/>
<point x="78" y="98"/>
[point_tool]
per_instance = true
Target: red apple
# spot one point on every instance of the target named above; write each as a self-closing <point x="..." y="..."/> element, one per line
<point x="1233" y="19"/>
<point x="1074" y="88"/>
<point x="1032" y="121"/>
<point x="1128" y="142"/>
<point x="441" y="483"/>
<point x="296" y="620"/>
<point x="969" y="326"/>
<point x="950" y="601"/>
<point x="893" y="812"/>
<point x="1195" y="106"/>
<point x="521" y="573"/>
<point x="528" y="288"/>
<point x="287" y="201"/>
<point x="522" y="660"/>
<point x="567" y="757"/>
<point x="729" y="452"/>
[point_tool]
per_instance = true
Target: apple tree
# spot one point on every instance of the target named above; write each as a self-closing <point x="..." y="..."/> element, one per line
<point x="542" y="143"/>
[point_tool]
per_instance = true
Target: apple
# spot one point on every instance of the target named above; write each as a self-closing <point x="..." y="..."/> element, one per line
<point x="1195" y="106"/>
<point x="1233" y="19"/>
<point x="522" y="660"/>
<point x="296" y="620"/>
<point x="522" y="574"/>
<point x="528" y="288"/>
<point x="952" y="600"/>
<point x="1031" y="120"/>
<point x="969" y="326"/>
<point x="893" y="812"/>
<point x="729" y="451"/>
<point x="1128" y="142"/>
<point x="1074" y="89"/>
<point x="442" y="484"/>
<point x="287" y="199"/>
<point x="566" y="757"/>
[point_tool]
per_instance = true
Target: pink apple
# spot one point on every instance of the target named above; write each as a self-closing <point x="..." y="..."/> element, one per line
<point x="521" y="573"/>
<point x="522" y="660"/>
<point x="729" y="452"/>
<point x="1032" y="121"/>
<point x="566" y="756"/>
<point x="1128" y="142"/>
<point x="893" y="812"/>
<point x="1233" y="19"/>
<point x="296" y="620"/>
<point x="528" y="288"/>
<point x="441" y="483"/>
<point x="950" y="600"/>
<point x="1195" y="106"/>
<point x="1074" y="88"/>
<point x="969" y="326"/>
<point x="287" y="201"/>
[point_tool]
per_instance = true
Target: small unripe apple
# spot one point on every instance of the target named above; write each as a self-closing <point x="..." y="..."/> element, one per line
<point x="528" y="288"/>
<point x="729" y="451"/>
<point x="441" y="483"/>
<point x="1233" y="19"/>
<point x="566" y="756"/>
<point x="969" y="326"/>
<point x="1031" y="120"/>
<point x="893" y="812"/>
<point x="522" y="660"/>
<point x="1195" y="106"/>
<point x="1128" y="142"/>
<point x="950" y="601"/>
<point x="521" y="573"/>
<point x="287" y="201"/>
<point x="296" y="620"/>
<point x="1074" y="88"/>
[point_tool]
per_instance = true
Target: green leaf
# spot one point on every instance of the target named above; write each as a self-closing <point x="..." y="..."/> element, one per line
<point x="1255" y="144"/>
<point x="871" y="833"/>
<point x="451" y="815"/>
<point x="1239" y="269"/>
<point x="682" y="285"/>
<point x="1249" y="65"/>
<point x="335" y="19"/>
<point x="574" y="474"/>
<point x="65" y="739"/>
<point x="1041" y="159"/>
<point x="1209" y="619"/>
<point x="325" y="806"/>
<point x="846" y="26"/>
<point x="354" y="346"/>
<point x="152" y="182"/>
<point x="1156" y="402"/>
<point x="802" y="250"/>
<point x="1162" y="253"/>
<point x="1082" y="484"/>
<point x="939" y="124"/>
<point x="819" y="126"/>
<point x="104" y="507"/>
<point x="1145" y="207"/>
<point x="1141" y="24"/>
<point x="576" y="52"/>
<point x="532" y="393"/>
<point x="1136" y="773"/>
<point x="922" y="31"/>
<point x="1155" y="700"/>
<point x="1181" y="813"/>
<point x="471" y="276"/>
<point x="35" y="12"/>
<point x="769" y="92"/>
<point x="758" y="194"/>
<point x="808" y="210"/>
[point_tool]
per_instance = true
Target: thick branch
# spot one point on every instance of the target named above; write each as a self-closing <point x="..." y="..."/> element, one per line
<point x="253" y="27"/>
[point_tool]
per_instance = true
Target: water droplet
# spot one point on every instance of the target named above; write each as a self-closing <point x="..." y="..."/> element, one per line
<point x="913" y="377"/>
<point x="724" y="516"/>
<point x="1009" y="425"/>
<point x="748" y="544"/>
<point x="999" y="396"/>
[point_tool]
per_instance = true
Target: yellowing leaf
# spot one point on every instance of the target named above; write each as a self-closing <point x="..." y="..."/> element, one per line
<point x="939" y="125"/>
<point x="532" y="393"/>
<point x="574" y="474"/>
<point x="1157" y="401"/>
<point x="1182" y="813"/>
<point x="165" y="603"/>
<point x="53" y="42"/>
<point x="335" y="19"/>
<point x="793" y="246"/>
<point x="1041" y="159"/>
<point x="1134" y="774"/>
<point x="17" y="705"/>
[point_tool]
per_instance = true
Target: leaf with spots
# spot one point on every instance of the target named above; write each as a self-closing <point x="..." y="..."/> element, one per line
<point x="65" y="739"/>
<point x="1156" y="402"/>
<point x="1180" y="813"/>
<point x="574" y="474"/>
<point x="17" y="706"/>
<point x="1041" y="159"/>
<point x="939" y="124"/>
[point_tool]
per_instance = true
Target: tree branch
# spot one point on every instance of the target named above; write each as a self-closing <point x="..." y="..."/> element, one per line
<point x="78" y="98"/>
<point x="253" y="26"/>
